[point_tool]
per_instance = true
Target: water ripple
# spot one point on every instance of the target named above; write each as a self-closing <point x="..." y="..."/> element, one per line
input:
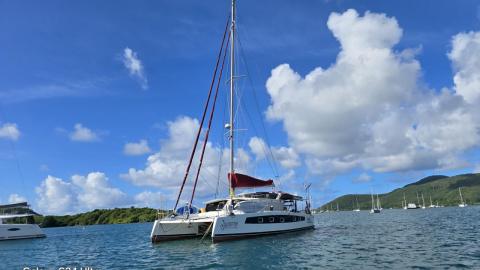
<point x="442" y="238"/>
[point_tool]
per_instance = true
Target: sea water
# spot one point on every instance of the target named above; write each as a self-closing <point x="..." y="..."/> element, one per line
<point x="438" y="238"/>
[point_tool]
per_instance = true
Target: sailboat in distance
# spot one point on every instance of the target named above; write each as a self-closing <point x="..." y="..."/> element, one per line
<point x="423" y="202"/>
<point x="239" y="215"/>
<point x="358" y="207"/>
<point x="375" y="205"/>
<point x="431" y="203"/>
<point x="462" y="203"/>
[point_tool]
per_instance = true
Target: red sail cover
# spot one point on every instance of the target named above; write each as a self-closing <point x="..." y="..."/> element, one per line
<point x="242" y="180"/>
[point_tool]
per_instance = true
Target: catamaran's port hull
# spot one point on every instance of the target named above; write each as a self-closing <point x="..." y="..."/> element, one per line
<point x="20" y="231"/>
<point x="178" y="229"/>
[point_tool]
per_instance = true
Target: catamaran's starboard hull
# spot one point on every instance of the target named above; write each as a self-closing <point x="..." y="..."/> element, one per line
<point x="20" y="231"/>
<point x="236" y="227"/>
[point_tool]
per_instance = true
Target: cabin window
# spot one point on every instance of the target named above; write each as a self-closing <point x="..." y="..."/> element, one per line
<point x="271" y="219"/>
<point x="282" y="220"/>
<point x="260" y="220"/>
<point x="294" y="219"/>
<point x="14" y="229"/>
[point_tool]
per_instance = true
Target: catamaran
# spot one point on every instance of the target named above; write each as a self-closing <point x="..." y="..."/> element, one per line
<point x="462" y="203"/>
<point x="239" y="215"/>
<point x="11" y="229"/>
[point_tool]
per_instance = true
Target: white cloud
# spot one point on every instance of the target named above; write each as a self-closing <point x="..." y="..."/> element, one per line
<point x="286" y="156"/>
<point x="258" y="147"/>
<point x="136" y="149"/>
<point x="55" y="196"/>
<point x="15" y="198"/>
<point x="9" y="131"/>
<point x="362" y="178"/>
<point x="151" y="199"/>
<point x="135" y="67"/>
<point x="464" y="56"/>
<point x="95" y="191"/>
<point x="166" y="168"/>
<point x="81" y="193"/>
<point x="83" y="134"/>
<point x="370" y="109"/>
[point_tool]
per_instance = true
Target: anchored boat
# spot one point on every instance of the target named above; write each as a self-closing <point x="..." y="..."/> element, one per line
<point x="238" y="216"/>
<point x="16" y="222"/>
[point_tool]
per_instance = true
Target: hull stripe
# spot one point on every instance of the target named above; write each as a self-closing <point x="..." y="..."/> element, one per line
<point x="23" y="237"/>
<point x="171" y="237"/>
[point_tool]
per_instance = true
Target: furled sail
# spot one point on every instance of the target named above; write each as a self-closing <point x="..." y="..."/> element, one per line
<point x="241" y="180"/>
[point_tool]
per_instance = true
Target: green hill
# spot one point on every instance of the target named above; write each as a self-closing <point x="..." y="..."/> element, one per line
<point x="100" y="216"/>
<point x="442" y="189"/>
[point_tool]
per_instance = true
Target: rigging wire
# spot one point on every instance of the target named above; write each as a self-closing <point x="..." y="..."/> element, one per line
<point x="15" y="155"/>
<point x="203" y="116"/>
<point x="219" y="79"/>
<point x="273" y="163"/>
<point x="223" y="139"/>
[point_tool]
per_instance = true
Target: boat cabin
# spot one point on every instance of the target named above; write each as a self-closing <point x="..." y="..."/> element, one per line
<point x="256" y="202"/>
<point x="17" y="213"/>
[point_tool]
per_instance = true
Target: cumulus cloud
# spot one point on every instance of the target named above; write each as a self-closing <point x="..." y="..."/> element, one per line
<point x="362" y="178"/>
<point x="136" y="149"/>
<point x="166" y="168"/>
<point x="370" y="108"/>
<point x="9" y="131"/>
<point x="83" y="134"/>
<point x="151" y="199"/>
<point x="15" y="198"/>
<point x="94" y="191"/>
<point x="81" y="193"/>
<point x="134" y="66"/>
<point x="285" y="156"/>
<point x="464" y="56"/>
<point x="55" y="196"/>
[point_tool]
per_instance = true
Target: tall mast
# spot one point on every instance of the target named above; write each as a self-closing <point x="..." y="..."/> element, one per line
<point x="232" y="72"/>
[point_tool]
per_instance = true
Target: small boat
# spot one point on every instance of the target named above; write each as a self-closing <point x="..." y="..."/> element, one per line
<point x="375" y="206"/>
<point x="412" y="206"/>
<point x="423" y="202"/>
<point x="462" y="203"/>
<point x="404" y="202"/>
<point x="12" y="229"/>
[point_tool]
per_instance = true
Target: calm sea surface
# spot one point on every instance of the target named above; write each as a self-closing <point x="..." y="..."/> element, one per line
<point x="441" y="238"/>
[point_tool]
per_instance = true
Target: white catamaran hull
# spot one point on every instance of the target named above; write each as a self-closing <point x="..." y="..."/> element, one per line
<point x="176" y="229"/>
<point x="20" y="231"/>
<point x="234" y="227"/>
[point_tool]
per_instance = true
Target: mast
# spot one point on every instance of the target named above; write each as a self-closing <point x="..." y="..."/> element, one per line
<point x="373" y="203"/>
<point x="461" y="197"/>
<point x="232" y="72"/>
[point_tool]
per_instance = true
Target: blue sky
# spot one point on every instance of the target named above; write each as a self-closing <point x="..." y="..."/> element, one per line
<point x="71" y="97"/>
